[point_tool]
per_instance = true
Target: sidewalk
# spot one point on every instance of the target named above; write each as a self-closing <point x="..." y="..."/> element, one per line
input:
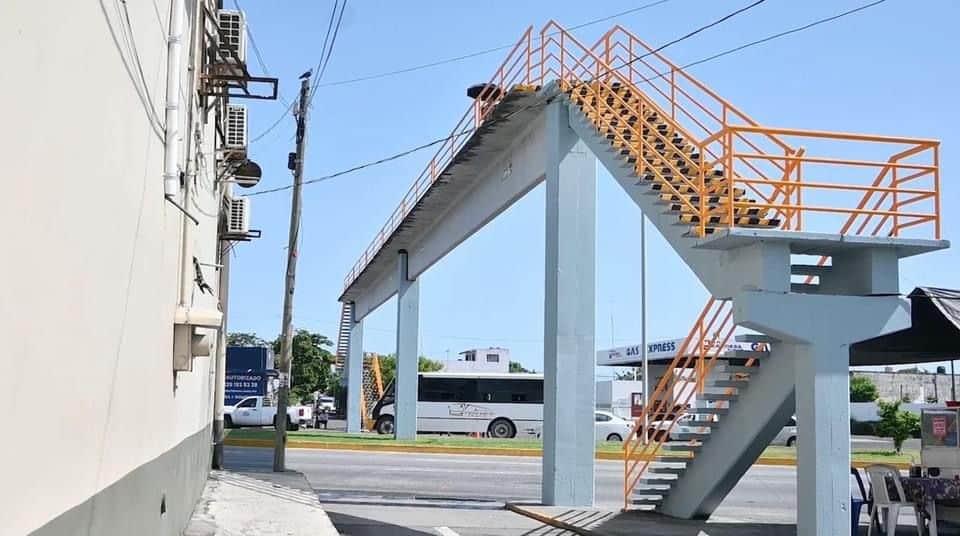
<point x="269" y="504"/>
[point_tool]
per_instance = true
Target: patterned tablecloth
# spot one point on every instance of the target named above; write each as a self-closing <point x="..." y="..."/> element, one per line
<point x="921" y="490"/>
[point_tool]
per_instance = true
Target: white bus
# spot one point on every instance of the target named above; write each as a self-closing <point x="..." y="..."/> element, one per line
<point x="501" y="405"/>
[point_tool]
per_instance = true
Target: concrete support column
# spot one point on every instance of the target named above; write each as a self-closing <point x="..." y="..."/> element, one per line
<point x="408" y="327"/>
<point x="569" y="386"/>
<point x="823" y="438"/>
<point x="815" y="333"/>
<point x="355" y="375"/>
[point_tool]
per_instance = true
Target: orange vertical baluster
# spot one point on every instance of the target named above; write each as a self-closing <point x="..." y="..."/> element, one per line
<point x="673" y="94"/>
<point x="895" y="206"/>
<point x="728" y="179"/>
<point x="936" y="189"/>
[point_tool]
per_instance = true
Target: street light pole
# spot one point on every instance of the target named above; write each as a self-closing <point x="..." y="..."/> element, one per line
<point x="643" y="326"/>
<point x="286" y="335"/>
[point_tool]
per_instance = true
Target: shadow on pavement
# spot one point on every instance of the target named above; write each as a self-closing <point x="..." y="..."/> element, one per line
<point x="636" y="522"/>
<point x="360" y="526"/>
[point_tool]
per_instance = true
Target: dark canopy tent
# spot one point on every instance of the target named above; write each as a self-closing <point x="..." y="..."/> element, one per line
<point x="933" y="336"/>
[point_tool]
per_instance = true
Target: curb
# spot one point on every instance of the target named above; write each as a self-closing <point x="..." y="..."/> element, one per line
<point x="547" y="520"/>
<point x="485" y="451"/>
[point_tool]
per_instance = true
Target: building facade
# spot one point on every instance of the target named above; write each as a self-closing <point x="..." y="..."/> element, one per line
<point x="111" y="309"/>
<point x="909" y="386"/>
<point x="492" y="359"/>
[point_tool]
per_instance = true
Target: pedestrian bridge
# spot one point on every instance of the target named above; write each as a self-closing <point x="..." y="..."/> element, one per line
<point x="796" y="234"/>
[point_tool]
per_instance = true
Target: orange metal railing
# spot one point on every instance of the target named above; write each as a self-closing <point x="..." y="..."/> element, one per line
<point x="824" y="183"/>
<point x="761" y="159"/>
<point x="514" y="70"/>
<point x="695" y="360"/>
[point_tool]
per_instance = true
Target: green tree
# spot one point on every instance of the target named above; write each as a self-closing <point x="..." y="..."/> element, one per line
<point x="516" y="366"/>
<point x="245" y="339"/>
<point x="862" y="389"/>
<point x="897" y="424"/>
<point x="388" y="367"/>
<point x="311" y="369"/>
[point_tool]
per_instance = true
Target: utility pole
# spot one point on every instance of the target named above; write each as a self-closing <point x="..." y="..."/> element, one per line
<point x="286" y="334"/>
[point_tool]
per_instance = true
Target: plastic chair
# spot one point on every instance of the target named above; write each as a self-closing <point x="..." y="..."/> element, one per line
<point x="879" y="475"/>
<point x="857" y="503"/>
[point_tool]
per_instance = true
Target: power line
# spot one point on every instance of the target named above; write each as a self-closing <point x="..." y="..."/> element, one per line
<point x="484" y="51"/>
<point x="326" y="61"/>
<point x="547" y="101"/>
<point x="784" y="33"/>
<point x="323" y="53"/>
<point x="257" y="52"/>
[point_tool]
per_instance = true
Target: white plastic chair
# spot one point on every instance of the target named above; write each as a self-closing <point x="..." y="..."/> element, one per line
<point x="878" y="475"/>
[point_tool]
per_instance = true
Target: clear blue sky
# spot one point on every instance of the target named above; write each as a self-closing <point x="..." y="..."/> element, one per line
<point x="892" y="69"/>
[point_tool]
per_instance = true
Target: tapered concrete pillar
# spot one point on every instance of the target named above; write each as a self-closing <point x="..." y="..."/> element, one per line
<point x="355" y="375"/>
<point x="408" y="326"/>
<point x="823" y="438"/>
<point x="568" y="345"/>
<point x="816" y="332"/>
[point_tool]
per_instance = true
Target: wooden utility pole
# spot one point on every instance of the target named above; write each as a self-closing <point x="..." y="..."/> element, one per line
<point x="286" y="334"/>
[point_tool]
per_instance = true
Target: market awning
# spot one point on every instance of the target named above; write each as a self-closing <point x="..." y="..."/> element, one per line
<point x="933" y="336"/>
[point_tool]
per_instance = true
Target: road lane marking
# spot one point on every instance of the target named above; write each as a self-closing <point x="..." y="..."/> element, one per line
<point x="446" y="531"/>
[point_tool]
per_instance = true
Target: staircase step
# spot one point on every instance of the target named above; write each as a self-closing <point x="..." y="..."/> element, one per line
<point x="653" y="487"/>
<point x="681" y="208"/>
<point x="680" y="446"/>
<point x="740" y="369"/>
<point x="709" y="411"/>
<point x="715" y="397"/>
<point x="739" y="384"/>
<point x="689" y="436"/>
<point x="665" y="470"/>
<point x="658" y="479"/>
<point x="810" y="269"/>
<point x="739" y="221"/>
<point x="646" y="500"/>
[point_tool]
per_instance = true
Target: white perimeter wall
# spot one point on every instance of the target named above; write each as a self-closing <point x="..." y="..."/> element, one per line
<point x="89" y="259"/>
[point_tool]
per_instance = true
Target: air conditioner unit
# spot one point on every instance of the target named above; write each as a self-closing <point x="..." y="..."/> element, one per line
<point x="233" y="34"/>
<point x="238" y="216"/>
<point x="235" y="127"/>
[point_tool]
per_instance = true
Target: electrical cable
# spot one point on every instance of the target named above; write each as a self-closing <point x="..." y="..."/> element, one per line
<point x="326" y="61"/>
<point x="548" y="100"/>
<point x="323" y="53"/>
<point x="485" y="51"/>
<point x="258" y="53"/>
<point x="124" y="51"/>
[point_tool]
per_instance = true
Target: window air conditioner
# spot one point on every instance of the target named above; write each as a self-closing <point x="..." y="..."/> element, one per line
<point x="238" y="216"/>
<point x="235" y="127"/>
<point x="233" y="32"/>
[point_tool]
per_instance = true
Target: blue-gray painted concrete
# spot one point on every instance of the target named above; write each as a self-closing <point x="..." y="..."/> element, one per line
<point x="408" y="327"/>
<point x="355" y="375"/>
<point x="569" y="314"/>
<point x="758" y="413"/>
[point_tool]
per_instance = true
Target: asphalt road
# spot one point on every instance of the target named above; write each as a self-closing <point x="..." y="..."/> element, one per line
<point x="475" y="483"/>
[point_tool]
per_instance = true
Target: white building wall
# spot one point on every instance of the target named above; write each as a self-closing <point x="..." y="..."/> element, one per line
<point x="90" y="264"/>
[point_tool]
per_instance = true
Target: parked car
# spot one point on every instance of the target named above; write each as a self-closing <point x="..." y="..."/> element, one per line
<point x="260" y="411"/>
<point x="609" y="427"/>
<point x="788" y="435"/>
<point x="684" y="423"/>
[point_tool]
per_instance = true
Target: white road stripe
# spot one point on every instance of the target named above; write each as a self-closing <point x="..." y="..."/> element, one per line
<point x="446" y="531"/>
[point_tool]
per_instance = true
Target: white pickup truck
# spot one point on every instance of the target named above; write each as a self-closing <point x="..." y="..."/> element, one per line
<point x="260" y="411"/>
